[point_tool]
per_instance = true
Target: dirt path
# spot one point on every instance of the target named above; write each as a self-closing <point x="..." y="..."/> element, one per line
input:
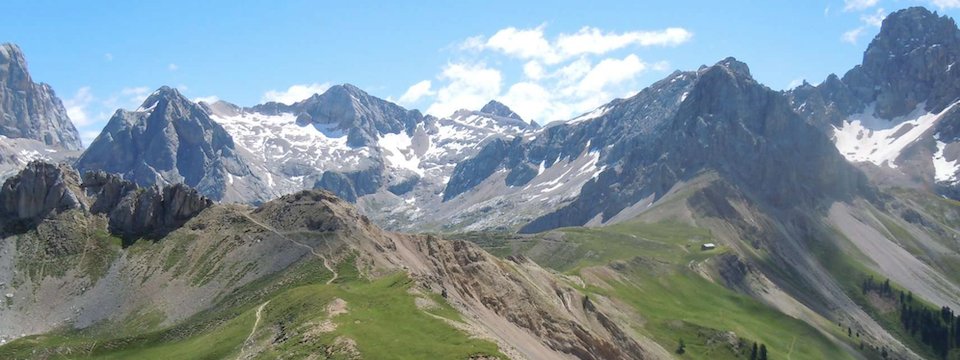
<point x="326" y="263"/>
<point x="254" y="329"/>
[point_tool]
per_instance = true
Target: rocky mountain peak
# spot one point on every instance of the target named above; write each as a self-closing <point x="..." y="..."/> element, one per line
<point x="499" y="109"/>
<point x="362" y="116"/>
<point x="735" y="67"/>
<point x="31" y="110"/>
<point x="169" y="139"/>
<point x="913" y="28"/>
<point x="910" y="62"/>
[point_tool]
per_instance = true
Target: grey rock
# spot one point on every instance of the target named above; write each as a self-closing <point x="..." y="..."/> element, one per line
<point x="42" y="190"/>
<point x="37" y="192"/>
<point x="499" y="109"/>
<point x="168" y="140"/>
<point x="31" y="110"/>
<point x="353" y="184"/>
<point x="155" y="211"/>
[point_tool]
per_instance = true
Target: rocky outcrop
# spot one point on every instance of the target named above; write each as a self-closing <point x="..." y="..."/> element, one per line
<point x="351" y="185"/>
<point x="312" y="210"/>
<point x="31" y="110"/>
<point x="43" y="190"/>
<point x="153" y="212"/>
<point x="38" y="191"/>
<point x="168" y="140"/>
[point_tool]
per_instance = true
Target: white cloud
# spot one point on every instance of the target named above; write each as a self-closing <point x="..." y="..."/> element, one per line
<point x="610" y="72"/>
<point x="77" y="107"/>
<point x="531" y="44"/>
<point x="562" y="76"/>
<point x="173" y="67"/>
<point x="207" y="99"/>
<point x="794" y="83"/>
<point x="875" y="19"/>
<point x="852" y="35"/>
<point x="533" y="70"/>
<point x="416" y="92"/>
<point x="856" y="5"/>
<point x="946" y="4"/>
<point x="295" y="93"/>
<point x="593" y="41"/>
<point x="87" y="136"/>
<point x="469" y="86"/>
<point x="135" y="96"/>
<point x="524" y="44"/>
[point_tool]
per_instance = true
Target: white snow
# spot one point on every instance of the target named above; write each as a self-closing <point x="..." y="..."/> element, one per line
<point x="149" y="108"/>
<point x="598" y="112"/>
<point x="945" y="170"/>
<point x="866" y="138"/>
<point x="398" y="152"/>
<point x="275" y="137"/>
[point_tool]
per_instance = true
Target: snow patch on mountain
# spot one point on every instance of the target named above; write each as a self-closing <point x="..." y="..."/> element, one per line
<point x="399" y="153"/>
<point x="865" y="138"/>
<point x="945" y="170"/>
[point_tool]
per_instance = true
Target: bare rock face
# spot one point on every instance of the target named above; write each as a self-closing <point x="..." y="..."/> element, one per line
<point x="40" y="190"/>
<point x="43" y="190"/>
<point x="168" y="140"/>
<point x="155" y="211"/>
<point x="31" y="110"/>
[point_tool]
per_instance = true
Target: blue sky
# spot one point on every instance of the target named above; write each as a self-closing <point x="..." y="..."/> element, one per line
<point x="547" y="60"/>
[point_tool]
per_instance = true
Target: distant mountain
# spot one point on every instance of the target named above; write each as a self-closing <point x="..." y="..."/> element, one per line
<point x="895" y="114"/>
<point x="499" y="109"/>
<point x="634" y="151"/>
<point x="170" y="140"/>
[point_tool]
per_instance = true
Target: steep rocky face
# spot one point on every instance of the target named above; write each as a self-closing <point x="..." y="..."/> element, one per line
<point x="31" y="110"/>
<point x="351" y="185"/>
<point x="731" y="125"/>
<point x="39" y="190"/>
<point x="911" y="61"/>
<point x="168" y="140"/>
<point x="43" y="190"/>
<point x="893" y="114"/>
<point x="154" y="211"/>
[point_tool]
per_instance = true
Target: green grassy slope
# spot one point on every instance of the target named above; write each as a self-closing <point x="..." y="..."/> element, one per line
<point x="381" y="321"/>
<point x="655" y="275"/>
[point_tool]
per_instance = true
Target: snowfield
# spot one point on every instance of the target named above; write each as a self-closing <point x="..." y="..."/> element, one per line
<point x="866" y="138"/>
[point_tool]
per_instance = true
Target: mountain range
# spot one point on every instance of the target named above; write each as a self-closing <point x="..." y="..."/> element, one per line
<point x="700" y="215"/>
